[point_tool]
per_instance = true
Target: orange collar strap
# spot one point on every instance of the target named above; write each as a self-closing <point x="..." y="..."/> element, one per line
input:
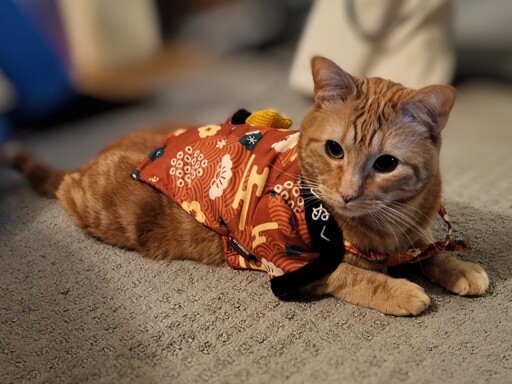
<point x="414" y="255"/>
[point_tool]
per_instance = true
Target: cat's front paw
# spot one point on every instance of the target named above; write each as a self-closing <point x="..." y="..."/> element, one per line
<point x="404" y="299"/>
<point x="457" y="276"/>
<point x="468" y="279"/>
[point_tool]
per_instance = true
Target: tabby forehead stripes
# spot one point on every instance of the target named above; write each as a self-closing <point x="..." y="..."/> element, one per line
<point x="350" y="136"/>
<point x="372" y="113"/>
<point x="375" y="141"/>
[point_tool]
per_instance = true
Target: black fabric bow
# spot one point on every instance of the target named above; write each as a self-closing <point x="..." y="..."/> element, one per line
<point x="327" y="239"/>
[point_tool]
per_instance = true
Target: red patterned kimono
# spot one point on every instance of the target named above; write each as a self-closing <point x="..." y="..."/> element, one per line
<point x="243" y="182"/>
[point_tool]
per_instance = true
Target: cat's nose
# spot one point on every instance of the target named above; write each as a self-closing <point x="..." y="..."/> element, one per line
<point x="347" y="198"/>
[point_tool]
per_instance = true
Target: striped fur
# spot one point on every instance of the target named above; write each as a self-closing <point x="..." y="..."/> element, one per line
<point x="387" y="211"/>
<point x="43" y="179"/>
<point x="371" y="117"/>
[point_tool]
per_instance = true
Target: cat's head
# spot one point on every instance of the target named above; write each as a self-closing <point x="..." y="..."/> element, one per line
<point x="369" y="142"/>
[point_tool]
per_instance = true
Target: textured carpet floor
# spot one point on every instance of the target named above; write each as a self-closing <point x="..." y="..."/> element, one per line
<point x="74" y="310"/>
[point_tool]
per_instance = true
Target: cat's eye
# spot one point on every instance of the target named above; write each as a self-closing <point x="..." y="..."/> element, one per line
<point x="334" y="149"/>
<point x="385" y="163"/>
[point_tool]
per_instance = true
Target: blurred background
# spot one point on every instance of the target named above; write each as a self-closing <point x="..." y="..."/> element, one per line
<point x="90" y="70"/>
<point x="76" y="74"/>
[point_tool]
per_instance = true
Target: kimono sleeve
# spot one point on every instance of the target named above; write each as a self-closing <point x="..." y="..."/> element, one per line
<point x="276" y="239"/>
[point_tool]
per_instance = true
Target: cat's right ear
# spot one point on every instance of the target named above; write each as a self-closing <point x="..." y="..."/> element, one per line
<point x="331" y="82"/>
<point x="430" y="106"/>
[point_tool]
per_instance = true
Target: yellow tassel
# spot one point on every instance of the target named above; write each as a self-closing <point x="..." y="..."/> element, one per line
<point x="269" y="118"/>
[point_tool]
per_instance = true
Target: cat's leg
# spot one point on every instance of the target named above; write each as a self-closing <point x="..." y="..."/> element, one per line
<point x="457" y="276"/>
<point x="374" y="290"/>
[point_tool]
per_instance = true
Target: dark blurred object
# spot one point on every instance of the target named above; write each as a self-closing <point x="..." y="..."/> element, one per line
<point x="67" y="58"/>
<point x="5" y="128"/>
<point x="231" y="25"/>
<point x="113" y="52"/>
<point x="171" y="14"/>
<point x="483" y="37"/>
<point x="46" y="18"/>
<point x="174" y="13"/>
<point x="38" y="76"/>
<point x="235" y="24"/>
<point x="117" y="51"/>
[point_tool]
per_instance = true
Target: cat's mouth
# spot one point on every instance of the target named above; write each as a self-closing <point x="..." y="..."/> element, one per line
<point x="362" y="206"/>
<point x="357" y="208"/>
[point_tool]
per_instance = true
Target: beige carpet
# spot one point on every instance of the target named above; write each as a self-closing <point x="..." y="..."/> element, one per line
<point x="74" y="310"/>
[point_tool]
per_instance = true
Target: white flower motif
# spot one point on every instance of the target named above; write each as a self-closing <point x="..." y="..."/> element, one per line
<point x="187" y="164"/>
<point x="290" y="191"/>
<point x="221" y="143"/>
<point x="220" y="181"/>
<point x="208" y="130"/>
<point x="251" y="140"/>
<point x="178" y="131"/>
<point x="288" y="143"/>
<point x="194" y="209"/>
<point x="271" y="268"/>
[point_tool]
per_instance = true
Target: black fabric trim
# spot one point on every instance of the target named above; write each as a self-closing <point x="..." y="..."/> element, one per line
<point x="240" y="249"/>
<point x="327" y="239"/>
<point x="240" y="116"/>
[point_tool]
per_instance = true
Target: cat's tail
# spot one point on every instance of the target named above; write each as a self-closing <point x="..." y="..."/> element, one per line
<point x="43" y="179"/>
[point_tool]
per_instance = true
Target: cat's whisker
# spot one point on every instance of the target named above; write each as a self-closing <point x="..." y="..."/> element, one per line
<point x="408" y="222"/>
<point x="314" y="184"/>
<point x="426" y="235"/>
<point x="414" y="225"/>
<point x="310" y="200"/>
<point x="403" y="220"/>
<point x="387" y="222"/>
<point x="376" y="215"/>
<point x="408" y="206"/>
<point x="297" y="177"/>
<point x="292" y="176"/>
<point x="396" y="221"/>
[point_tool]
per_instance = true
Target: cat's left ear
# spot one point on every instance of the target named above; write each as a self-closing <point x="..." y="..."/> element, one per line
<point x="331" y="82"/>
<point x="430" y="106"/>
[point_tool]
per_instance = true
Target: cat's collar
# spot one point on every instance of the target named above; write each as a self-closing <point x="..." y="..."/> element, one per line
<point x="327" y="240"/>
<point x="415" y="254"/>
<point x="321" y="225"/>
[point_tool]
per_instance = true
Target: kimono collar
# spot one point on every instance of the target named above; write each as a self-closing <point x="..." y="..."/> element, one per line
<point x="327" y="240"/>
<point x="416" y="254"/>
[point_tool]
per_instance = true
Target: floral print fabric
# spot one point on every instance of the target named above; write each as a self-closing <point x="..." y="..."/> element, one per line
<point x="241" y="181"/>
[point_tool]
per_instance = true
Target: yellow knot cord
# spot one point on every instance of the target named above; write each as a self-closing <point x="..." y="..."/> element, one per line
<point x="269" y="118"/>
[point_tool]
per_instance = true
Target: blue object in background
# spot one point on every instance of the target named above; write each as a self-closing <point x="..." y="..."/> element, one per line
<point x="40" y="80"/>
<point x="5" y="129"/>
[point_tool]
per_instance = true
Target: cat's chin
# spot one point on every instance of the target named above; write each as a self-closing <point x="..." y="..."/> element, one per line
<point x="353" y="212"/>
<point x="360" y="208"/>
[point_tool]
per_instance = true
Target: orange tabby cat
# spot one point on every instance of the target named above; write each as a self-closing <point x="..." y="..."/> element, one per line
<point x="370" y="148"/>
